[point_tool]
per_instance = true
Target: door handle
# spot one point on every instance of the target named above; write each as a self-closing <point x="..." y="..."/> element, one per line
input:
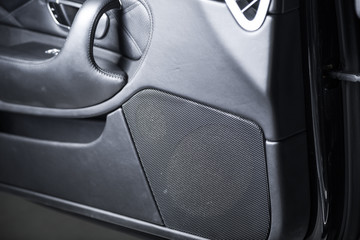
<point x="70" y="79"/>
<point x="63" y="13"/>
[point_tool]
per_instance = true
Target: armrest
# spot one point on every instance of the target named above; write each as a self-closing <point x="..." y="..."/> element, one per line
<point x="69" y="80"/>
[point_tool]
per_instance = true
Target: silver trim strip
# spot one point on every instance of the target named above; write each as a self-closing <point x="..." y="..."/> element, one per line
<point x="249" y="25"/>
<point x="249" y="6"/>
<point x="64" y="2"/>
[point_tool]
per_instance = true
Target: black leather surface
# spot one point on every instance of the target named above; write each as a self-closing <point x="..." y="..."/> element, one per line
<point x="128" y="33"/>
<point x="198" y="51"/>
<point x="135" y="28"/>
<point x="30" y="14"/>
<point x="68" y="80"/>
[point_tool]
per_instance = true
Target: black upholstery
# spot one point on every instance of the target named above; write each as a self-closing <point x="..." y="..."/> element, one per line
<point x="63" y="81"/>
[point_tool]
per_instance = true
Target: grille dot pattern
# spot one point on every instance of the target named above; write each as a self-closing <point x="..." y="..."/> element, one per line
<point x="206" y="168"/>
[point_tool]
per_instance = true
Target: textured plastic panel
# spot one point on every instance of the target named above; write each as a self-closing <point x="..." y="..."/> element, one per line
<point x="283" y="6"/>
<point x="104" y="174"/>
<point x="206" y="168"/>
<point x="288" y="174"/>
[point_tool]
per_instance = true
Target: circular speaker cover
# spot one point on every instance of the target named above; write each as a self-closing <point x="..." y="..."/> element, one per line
<point x="206" y="168"/>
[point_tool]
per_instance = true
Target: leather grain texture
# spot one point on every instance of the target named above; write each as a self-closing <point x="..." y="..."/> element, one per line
<point x="135" y="29"/>
<point x="30" y="14"/>
<point x="8" y="10"/>
<point x="198" y="51"/>
<point x="69" y="80"/>
<point x="128" y="33"/>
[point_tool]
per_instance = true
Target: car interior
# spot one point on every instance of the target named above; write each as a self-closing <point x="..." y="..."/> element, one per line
<point x="160" y="119"/>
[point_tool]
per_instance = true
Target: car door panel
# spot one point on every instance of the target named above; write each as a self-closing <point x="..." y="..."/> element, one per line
<point x="42" y="83"/>
<point x="291" y="109"/>
<point x="206" y="139"/>
<point x="73" y="171"/>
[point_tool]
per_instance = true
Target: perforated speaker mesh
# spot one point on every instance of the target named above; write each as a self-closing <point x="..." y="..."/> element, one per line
<point x="206" y="168"/>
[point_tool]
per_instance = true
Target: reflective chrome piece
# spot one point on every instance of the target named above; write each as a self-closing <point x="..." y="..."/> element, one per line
<point x="53" y="51"/>
<point x="67" y="3"/>
<point x="55" y="16"/>
<point x="63" y="2"/>
<point x="244" y="22"/>
<point x="249" y="6"/>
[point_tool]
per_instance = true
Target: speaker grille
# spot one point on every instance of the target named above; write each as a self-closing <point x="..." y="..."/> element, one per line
<point x="206" y="168"/>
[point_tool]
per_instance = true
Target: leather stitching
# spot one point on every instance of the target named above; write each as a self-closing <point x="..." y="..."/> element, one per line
<point x="91" y="43"/>
<point x="126" y="30"/>
<point x="132" y="39"/>
<point x="130" y="8"/>
<point x="61" y="112"/>
<point x="148" y="44"/>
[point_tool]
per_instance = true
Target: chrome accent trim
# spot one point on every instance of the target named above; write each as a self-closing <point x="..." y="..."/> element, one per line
<point x="67" y="3"/>
<point x="53" y="51"/>
<point x="249" y="25"/>
<point x="64" y="2"/>
<point x="342" y="76"/>
<point x="249" y="6"/>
